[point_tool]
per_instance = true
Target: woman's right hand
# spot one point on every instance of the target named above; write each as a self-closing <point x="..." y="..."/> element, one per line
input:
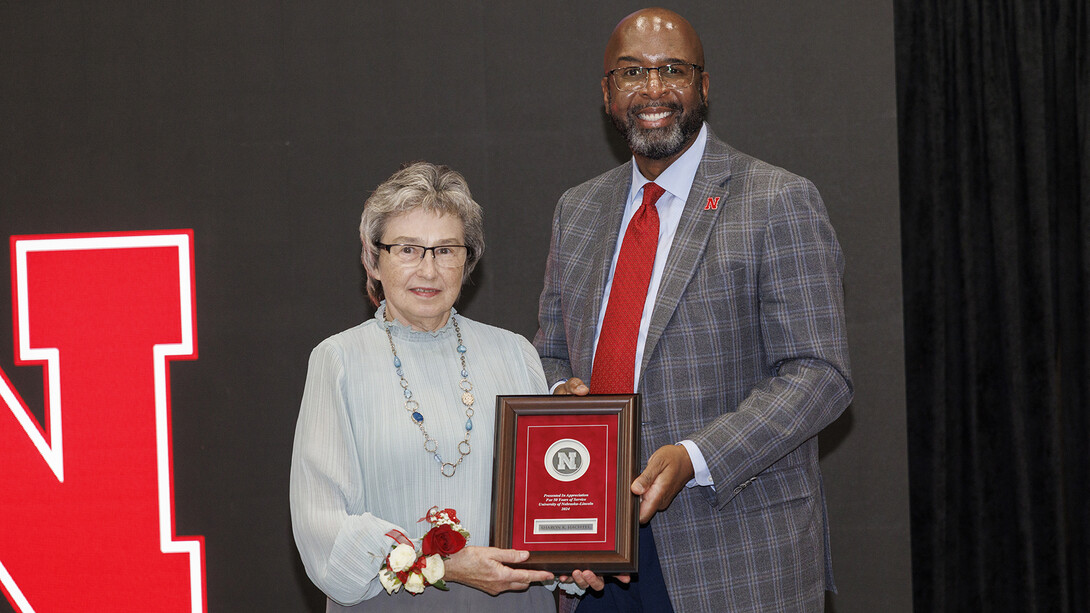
<point x="485" y="568"/>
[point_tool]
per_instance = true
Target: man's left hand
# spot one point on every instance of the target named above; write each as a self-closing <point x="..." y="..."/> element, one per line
<point x="668" y="470"/>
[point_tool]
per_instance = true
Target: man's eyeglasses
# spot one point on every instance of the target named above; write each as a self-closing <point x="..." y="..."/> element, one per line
<point x="672" y="76"/>
<point x="447" y="256"/>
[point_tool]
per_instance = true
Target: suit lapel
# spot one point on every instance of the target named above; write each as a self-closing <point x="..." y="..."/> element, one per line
<point x="691" y="238"/>
<point x="608" y="219"/>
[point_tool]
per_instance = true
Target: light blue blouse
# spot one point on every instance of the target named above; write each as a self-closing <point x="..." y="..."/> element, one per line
<point x="359" y="468"/>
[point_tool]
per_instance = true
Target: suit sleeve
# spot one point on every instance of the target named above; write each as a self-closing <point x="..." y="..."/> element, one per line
<point x="802" y="331"/>
<point x="551" y="340"/>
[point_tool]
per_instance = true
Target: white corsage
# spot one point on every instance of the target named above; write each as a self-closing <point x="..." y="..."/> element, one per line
<point x="406" y="566"/>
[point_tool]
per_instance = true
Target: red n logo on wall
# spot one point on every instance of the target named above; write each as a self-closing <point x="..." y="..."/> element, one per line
<point x="86" y="499"/>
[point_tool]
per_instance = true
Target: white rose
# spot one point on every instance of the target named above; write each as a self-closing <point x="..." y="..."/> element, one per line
<point x="415" y="584"/>
<point x="402" y="558"/>
<point x="389" y="581"/>
<point x="435" y="568"/>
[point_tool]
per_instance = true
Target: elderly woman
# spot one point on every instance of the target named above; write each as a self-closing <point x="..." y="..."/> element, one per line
<point x="397" y="418"/>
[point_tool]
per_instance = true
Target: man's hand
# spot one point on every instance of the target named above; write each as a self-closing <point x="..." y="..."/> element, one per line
<point x="588" y="580"/>
<point x="572" y="387"/>
<point x="668" y="470"/>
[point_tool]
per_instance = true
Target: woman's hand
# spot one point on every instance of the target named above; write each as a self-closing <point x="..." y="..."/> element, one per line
<point x="485" y="568"/>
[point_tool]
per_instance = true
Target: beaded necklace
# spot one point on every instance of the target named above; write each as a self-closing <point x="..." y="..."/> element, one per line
<point x="412" y="407"/>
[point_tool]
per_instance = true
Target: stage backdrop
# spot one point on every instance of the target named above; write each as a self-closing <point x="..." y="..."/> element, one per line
<point x="262" y="127"/>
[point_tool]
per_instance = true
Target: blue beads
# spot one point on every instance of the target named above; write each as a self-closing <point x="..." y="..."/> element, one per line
<point x="431" y="447"/>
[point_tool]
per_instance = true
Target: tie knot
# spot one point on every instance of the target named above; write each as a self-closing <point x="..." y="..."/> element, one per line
<point x="651" y="193"/>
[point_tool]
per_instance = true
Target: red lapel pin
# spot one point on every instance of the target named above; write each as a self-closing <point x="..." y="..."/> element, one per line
<point x="713" y="203"/>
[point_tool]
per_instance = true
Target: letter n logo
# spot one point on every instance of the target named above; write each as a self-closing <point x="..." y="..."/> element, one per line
<point x="713" y="203"/>
<point x="86" y="501"/>
<point x="567" y="462"/>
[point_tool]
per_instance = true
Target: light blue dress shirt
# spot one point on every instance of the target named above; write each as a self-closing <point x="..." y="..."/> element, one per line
<point x="677" y="180"/>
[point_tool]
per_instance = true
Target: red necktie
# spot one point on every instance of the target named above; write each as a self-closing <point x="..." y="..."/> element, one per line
<point x="614" y="368"/>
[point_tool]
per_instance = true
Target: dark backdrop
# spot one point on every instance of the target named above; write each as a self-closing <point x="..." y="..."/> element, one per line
<point x="995" y="167"/>
<point x="264" y="126"/>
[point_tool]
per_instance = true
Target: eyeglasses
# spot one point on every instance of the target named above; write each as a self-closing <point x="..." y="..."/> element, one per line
<point x="672" y="76"/>
<point x="447" y="256"/>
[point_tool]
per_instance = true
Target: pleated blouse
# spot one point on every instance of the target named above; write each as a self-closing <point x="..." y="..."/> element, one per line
<point x="359" y="468"/>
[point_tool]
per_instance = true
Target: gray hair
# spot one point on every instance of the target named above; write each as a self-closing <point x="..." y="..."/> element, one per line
<point x="431" y="187"/>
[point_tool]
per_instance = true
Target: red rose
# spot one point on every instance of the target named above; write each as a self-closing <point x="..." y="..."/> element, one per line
<point x="442" y="540"/>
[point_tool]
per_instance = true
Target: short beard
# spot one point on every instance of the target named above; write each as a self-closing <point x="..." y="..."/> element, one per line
<point x="664" y="142"/>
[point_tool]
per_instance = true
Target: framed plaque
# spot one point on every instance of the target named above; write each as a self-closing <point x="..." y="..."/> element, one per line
<point x="563" y="469"/>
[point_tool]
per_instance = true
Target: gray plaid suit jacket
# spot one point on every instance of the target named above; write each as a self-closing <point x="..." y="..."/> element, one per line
<point x="746" y="356"/>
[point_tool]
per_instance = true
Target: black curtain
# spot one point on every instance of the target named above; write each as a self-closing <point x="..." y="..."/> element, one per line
<point x="994" y="132"/>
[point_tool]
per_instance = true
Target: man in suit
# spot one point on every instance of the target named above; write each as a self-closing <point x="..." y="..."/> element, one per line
<point x="715" y="292"/>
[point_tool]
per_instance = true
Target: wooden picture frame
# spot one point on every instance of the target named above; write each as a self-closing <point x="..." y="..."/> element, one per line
<point x="570" y="506"/>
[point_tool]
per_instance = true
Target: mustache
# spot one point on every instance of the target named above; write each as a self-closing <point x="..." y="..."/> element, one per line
<point x="673" y="106"/>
